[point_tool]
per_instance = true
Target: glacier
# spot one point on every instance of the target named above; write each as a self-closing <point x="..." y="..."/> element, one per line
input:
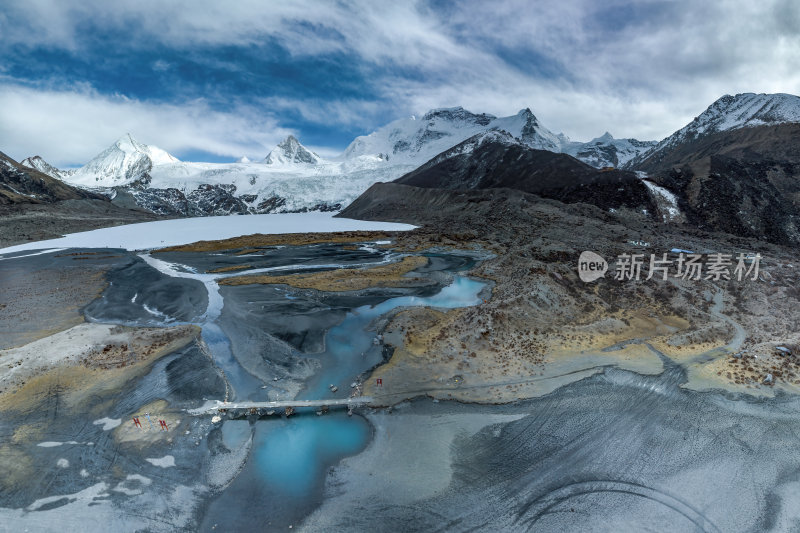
<point x="292" y="178"/>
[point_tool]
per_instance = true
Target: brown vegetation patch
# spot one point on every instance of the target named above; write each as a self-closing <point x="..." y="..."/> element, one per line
<point x="231" y="268"/>
<point x="40" y="303"/>
<point x="258" y="239"/>
<point x="344" y="279"/>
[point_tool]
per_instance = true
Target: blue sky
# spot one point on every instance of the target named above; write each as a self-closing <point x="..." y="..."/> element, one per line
<point x="208" y="81"/>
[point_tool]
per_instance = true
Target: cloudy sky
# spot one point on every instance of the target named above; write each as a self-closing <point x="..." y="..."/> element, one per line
<point x="211" y="80"/>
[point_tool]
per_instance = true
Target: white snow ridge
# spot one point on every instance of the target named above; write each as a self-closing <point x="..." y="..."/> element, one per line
<point x="734" y="112"/>
<point x="291" y="177"/>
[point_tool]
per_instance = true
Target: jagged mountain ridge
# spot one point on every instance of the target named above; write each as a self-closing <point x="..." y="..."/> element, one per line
<point x="495" y="160"/>
<point x="728" y="113"/>
<point x="606" y="151"/>
<point x="293" y="178"/>
<point x="744" y="181"/>
<point x="418" y="140"/>
<point x="21" y="184"/>
<point x="736" y="167"/>
<point x="37" y="163"/>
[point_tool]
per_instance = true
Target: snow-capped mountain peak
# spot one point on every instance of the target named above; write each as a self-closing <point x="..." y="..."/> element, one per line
<point x="122" y="163"/>
<point x="414" y="141"/>
<point x="746" y="109"/>
<point x="527" y="128"/>
<point x="734" y="112"/>
<point x="129" y="145"/>
<point x="36" y="162"/>
<point x="290" y="151"/>
<point x="469" y="145"/>
<point x="606" y="151"/>
<point x="604" y="138"/>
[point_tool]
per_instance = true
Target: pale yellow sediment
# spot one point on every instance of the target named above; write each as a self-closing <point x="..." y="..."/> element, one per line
<point x="510" y="365"/>
<point x="128" y="432"/>
<point x="16" y="465"/>
<point x="77" y="364"/>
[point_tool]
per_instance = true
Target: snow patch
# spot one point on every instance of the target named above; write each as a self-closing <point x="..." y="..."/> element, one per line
<point x="666" y="201"/>
<point x="164" y="462"/>
<point x="54" y="444"/>
<point x="137" y="479"/>
<point x="90" y="493"/>
<point x="49" y="251"/>
<point x="156" y="313"/>
<point x="108" y="423"/>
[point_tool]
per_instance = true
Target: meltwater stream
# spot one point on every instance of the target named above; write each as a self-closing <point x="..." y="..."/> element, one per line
<point x="289" y="457"/>
<point x="349" y="346"/>
<point x="293" y="453"/>
<point x="242" y="382"/>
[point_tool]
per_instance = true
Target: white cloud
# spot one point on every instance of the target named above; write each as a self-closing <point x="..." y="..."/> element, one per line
<point x="161" y="65"/>
<point x="402" y="32"/>
<point x="663" y="65"/>
<point x="640" y="69"/>
<point x="70" y="127"/>
<point x="340" y="111"/>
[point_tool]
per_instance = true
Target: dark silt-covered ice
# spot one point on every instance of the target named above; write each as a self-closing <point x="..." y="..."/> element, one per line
<point x="614" y="452"/>
<point x="138" y="294"/>
<point x="278" y="257"/>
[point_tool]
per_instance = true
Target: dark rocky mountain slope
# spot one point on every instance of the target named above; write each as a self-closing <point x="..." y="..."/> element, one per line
<point x="24" y="185"/>
<point x="497" y="160"/>
<point x="35" y="206"/>
<point x="744" y="181"/>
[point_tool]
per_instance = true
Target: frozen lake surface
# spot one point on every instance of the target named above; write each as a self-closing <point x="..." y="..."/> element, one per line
<point x="163" y="233"/>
